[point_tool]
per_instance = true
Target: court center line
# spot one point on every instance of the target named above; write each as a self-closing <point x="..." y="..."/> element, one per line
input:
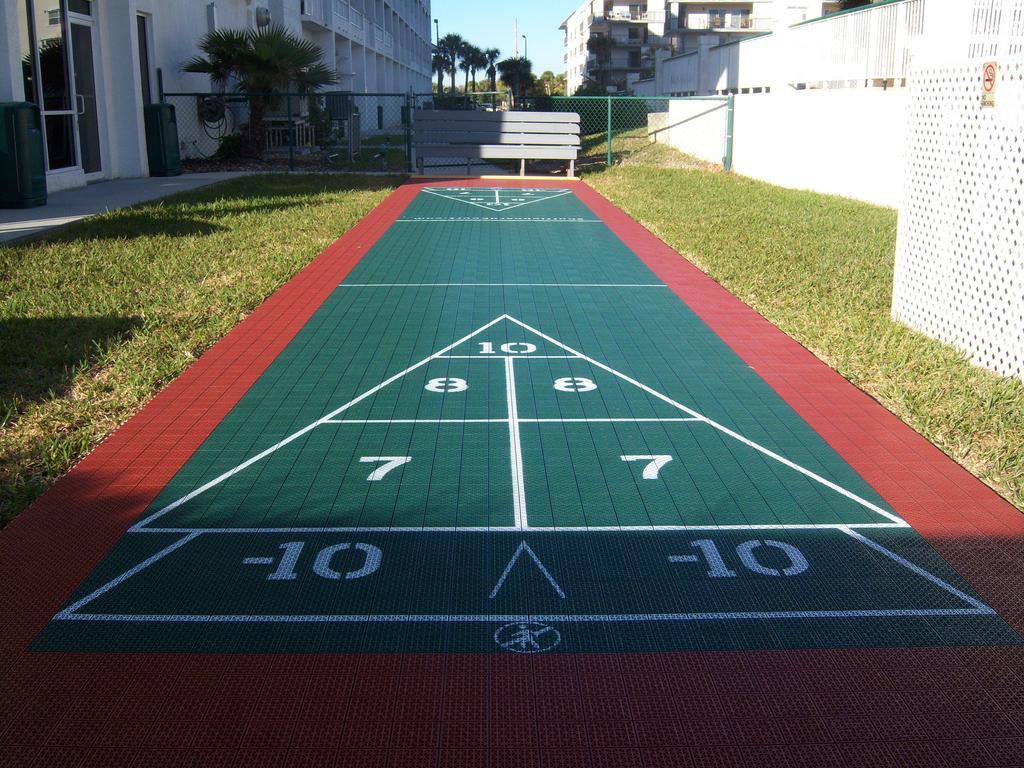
<point x="515" y="446"/>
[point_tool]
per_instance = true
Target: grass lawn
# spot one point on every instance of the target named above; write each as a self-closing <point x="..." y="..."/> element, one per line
<point x="95" y="319"/>
<point x="820" y="267"/>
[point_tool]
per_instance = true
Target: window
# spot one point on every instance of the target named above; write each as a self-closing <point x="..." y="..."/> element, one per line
<point x="53" y="17"/>
<point x="634" y="58"/>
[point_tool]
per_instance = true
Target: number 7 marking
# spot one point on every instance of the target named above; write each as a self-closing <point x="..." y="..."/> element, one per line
<point x="390" y="462"/>
<point x="655" y="463"/>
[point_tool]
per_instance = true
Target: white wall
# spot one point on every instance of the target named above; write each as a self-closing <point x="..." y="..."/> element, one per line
<point x="696" y="127"/>
<point x="842" y="142"/>
<point x="848" y="143"/>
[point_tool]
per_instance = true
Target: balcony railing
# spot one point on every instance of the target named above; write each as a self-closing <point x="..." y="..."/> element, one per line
<point x="315" y="10"/>
<point x="738" y="23"/>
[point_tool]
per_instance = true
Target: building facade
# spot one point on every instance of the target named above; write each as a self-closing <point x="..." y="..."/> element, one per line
<point x="91" y="65"/>
<point x="642" y="32"/>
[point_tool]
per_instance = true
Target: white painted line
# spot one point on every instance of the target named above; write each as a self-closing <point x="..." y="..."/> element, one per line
<point x="553" y="618"/>
<point x="524" y="547"/>
<point x="686" y="419"/>
<point x="536" y="528"/>
<point x="294" y="436"/>
<point x="501" y="285"/>
<point x="70" y="610"/>
<point x="918" y="570"/>
<point x="515" y="446"/>
<point x="491" y="208"/>
<point x="501" y="220"/>
<point x="720" y="427"/>
<point x="518" y="357"/>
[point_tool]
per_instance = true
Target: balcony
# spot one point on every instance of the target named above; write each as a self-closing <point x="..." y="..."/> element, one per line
<point x="314" y="11"/>
<point x="640" y="17"/>
<point x="728" y="23"/>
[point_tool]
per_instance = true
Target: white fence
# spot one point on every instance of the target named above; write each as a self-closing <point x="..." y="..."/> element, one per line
<point x="867" y="47"/>
<point x="960" y="249"/>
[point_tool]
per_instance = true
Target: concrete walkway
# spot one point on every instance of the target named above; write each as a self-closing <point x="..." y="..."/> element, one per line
<point x="65" y="207"/>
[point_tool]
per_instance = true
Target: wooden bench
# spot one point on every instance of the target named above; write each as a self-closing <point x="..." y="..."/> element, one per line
<point x="479" y="135"/>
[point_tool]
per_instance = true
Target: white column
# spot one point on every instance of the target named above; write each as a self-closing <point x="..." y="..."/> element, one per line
<point x="13" y="27"/>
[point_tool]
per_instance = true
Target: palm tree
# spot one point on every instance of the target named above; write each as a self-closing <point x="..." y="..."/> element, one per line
<point x="477" y="61"/>
<point x="260" y="62"/>
<point x="491" y="55"/>
<point x="450" y="46"/>
<point x="439" y="63"/>
<point x="601" y="46"/>
<point x="465" y="63"/>
<point x="517" y="71"/>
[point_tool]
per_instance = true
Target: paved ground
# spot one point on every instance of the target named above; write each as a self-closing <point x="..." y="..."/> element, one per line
<point x="498" y="479"/>
<point x="74" y="204"/>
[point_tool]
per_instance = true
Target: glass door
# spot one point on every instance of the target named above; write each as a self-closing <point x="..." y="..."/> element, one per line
<point x="86" y="102"/>
<point x="48" y="22"/>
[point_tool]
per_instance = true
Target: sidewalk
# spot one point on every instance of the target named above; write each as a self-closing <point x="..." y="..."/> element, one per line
<point x="65" y="207"/>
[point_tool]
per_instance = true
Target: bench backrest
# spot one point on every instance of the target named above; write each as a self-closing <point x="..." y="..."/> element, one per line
<point x="478" y="127"/>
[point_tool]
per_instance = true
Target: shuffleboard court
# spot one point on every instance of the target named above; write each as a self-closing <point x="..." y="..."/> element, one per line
<point x="503" y="432"/>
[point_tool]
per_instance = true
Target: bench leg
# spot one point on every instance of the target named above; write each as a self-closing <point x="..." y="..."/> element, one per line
<point x="572" y="169"/>
<point x="522" y="167"/>
<point x="469" y="165"/>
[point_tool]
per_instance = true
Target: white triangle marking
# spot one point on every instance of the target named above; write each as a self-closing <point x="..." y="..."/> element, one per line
<point x="522" y="524"/>
<point x="524" y="547"/>
<point x="497" y="206"/>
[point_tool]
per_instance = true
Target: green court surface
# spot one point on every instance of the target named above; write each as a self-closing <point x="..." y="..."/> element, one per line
<point x="503" y="432"/>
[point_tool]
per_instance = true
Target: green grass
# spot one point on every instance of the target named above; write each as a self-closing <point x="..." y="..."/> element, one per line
<point x="97" y="318"/>
<point x="821" y="268"/>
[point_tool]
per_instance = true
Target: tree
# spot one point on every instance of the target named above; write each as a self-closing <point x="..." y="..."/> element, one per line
<point x="451" y="46"/>
<point x="466" y="63"/>
<point x="517" y="72"/>
<point x="439" y="64"/>
<point x="477" y="62"/>
<point x="491" y="55"/>
<point x="601" y="46"/>
<point x="550" y="84"/>
<point x="261" y="63"/>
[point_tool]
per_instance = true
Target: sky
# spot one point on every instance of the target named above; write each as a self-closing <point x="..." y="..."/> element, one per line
<point x="489" y="24"/>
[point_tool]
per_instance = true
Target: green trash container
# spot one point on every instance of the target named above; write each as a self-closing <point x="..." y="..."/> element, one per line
<point x="22" y="164"/>
<point x="162" y="140"/>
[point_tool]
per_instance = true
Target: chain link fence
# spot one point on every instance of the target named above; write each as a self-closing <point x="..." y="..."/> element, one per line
<point x="321" y="132"/>
<point x="373" y="131"/>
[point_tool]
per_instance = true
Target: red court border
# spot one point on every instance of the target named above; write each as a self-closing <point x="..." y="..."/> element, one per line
<point x="937" y="706"/>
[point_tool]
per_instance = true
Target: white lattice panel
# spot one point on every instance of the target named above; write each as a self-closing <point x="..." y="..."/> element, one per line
<point x="960" y="251"/>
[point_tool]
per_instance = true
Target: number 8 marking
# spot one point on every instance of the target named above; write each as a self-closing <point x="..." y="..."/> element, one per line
<point x="577" y="384"/>
<point x="446" y="385"/>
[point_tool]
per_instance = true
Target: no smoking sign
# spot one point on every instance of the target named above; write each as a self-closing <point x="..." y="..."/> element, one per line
<point x="990" y="74"/>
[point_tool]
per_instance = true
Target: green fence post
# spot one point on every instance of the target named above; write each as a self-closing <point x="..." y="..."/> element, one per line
<point x="291" y="136"/>
<point x="410" y="103"/>
<point x="609" y="160"/>
<point x="729" y="117"/>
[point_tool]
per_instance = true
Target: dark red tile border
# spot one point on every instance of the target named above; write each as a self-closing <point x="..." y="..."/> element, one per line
<point x="954" y="706"/>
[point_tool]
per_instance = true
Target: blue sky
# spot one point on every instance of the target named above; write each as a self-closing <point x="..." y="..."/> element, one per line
<point x="488" y="24"/>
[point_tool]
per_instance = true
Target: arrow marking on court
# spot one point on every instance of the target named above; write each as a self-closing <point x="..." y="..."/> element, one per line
<point x="524" y="547"/>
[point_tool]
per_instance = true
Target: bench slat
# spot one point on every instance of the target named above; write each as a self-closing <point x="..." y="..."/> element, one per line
<point x="497" y="152"/>
<point x="480" y="137"/>
<point x="442" y="125"/>
<point x="470" y="115"/>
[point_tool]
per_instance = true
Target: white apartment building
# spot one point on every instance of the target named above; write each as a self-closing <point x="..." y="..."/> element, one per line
<point x="91" y="65"/>
<point x="641" y="30"/>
